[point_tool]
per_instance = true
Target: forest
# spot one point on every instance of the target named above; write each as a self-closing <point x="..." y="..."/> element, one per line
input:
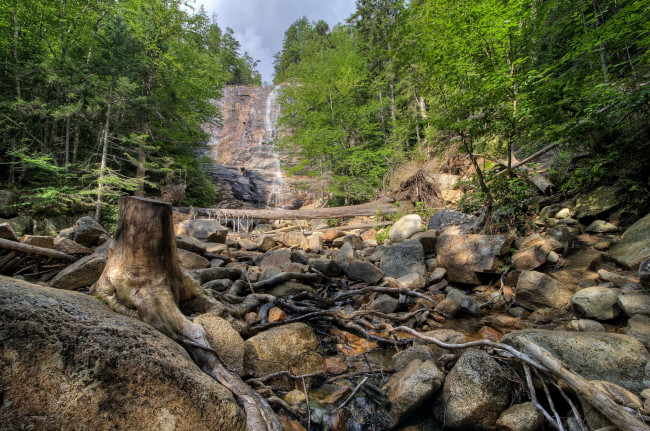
<point x="407" y="80"/>
<point x="102" y="98"/>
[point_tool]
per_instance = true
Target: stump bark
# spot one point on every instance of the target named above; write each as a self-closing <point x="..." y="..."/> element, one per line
<point x="143" y="278"/>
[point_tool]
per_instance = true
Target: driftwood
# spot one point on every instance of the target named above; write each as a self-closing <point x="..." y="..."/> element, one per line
<point x="39" y="251"/>
<point x="369" y="209"/>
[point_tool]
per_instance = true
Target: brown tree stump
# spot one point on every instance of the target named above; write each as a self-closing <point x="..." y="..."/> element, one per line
<point x="143" y="278"/>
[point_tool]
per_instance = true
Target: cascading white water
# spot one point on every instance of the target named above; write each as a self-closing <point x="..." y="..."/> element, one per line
<point x="275" y="196"/>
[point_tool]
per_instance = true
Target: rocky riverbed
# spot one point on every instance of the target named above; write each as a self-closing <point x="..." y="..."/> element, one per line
<point x="332" y="326"/>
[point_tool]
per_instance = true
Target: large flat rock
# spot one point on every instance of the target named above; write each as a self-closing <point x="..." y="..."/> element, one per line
<point x="68" y="362"/>
<point x="466" y="257"/>
<point x="634" y="246"/>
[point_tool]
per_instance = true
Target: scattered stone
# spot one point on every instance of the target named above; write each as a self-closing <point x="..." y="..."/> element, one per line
<point x="596" y="302"/>
<point x="437" y="275"/>
<point x="448" y="336"/>
<point x="447" y="308"/>
<point x="542" y="316"/>
<point x="203" y="276"/>
<point x="363" y="271"/>
<point x="87" y="231"/>
<point x="252" y="318"/>
<point x="417" y="351"/>
<point x="190" y="243"/>
<point x="475" y="393"/>
<point x="276" y="315"/>
<point x="413" y="281"/>
<point x="224" y="339"/>
<point x="222" y="249"/>
<point x="603" y="244"/>
<point x="68" y="246"/>
<point x="562" y="235"/>
<point x="384" y="304"/>
<point x="278" y="349"/>
<point x="551" y="210"/>
<point x="329" y="267"/>
<point x="6" y="232"/>
<point x="531" y="257"/>
<point x="95" y="365"/>
<point x="585" y="325"/>
<point x="67" y="233"/>
<point x="291" y="288"/>
<point x="338" y="396"/>
<point x="644" y="274"/>
<point x="616" y="358"/>
<point x="267" y="243"/>
<point x="563" y="213"/>
<point x="634" y="303"/>
<point x="209" y="230"/>
<point x="316" y="243"/>
<point x="597" y="201"/>
<point x="552" y="258"/>
<point x="634" y="246"/>
<point x="247" y="244"/>
<point x="409" y="388"/>
<point x="38" y="241"/>
<point x="639" y="327"/>
<point x="354" y="240"/>
<point x="332" y="234"/>
<point x="295" y="397"/>
<point x="334" y="366"/>
<point x="536" y="290"/>
<point x="465" y="257"/>
<point x="601" y="226"/>
<point x="369" y="234"/>
<point x="191" y="260"/>
<point x="402" y="259"/>
<point x="84" y="272"/>
<point x="405" y="228"/>
<point x="295" y="239"/>
<point x="454" y="222"/>
<point x="520" y="417"/>
<point x="346" y="252"/>
<point x="280" y="259"/>
<point x="467" y="304"/>
<point x="490" y="334"/>
<point x="427" y="239"/>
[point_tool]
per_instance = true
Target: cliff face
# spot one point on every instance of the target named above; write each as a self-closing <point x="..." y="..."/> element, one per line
<point x="246" y="165"/>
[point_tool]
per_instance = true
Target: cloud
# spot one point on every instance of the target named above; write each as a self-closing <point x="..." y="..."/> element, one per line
<point x="259" y="25"/>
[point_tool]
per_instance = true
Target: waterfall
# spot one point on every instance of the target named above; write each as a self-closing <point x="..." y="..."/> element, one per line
<point x="276" y="191"/>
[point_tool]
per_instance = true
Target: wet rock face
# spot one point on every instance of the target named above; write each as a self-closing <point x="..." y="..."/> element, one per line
<point x="71" y="363"/>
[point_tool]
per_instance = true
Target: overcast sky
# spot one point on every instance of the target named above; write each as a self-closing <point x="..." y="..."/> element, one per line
<point x="259" y="25"/>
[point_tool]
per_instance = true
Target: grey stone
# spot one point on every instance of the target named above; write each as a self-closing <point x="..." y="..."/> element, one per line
<point x="405" y="228"/>
<point x="190" y="243"/>
<point x="84" y="272"/>
<point x="203" y="276"/>
<point x="427" y="239"/>
<point x="329" y="267"/>
<point x="562" y="235"/>
<point x="21" y="225"/>
<point x="409" y="388"/>
<point x="585" y="325"/>
<point x="601" y="226"/>
<point x="354" y="240"/>
<point x="634" y="246"/>
<point x="597" y="201"/>
<point x="520" y="417"/>
<point x="596" y="302"/>
<point x="66" y="245"/>
<point x="191" y="260"/>
<point x="363" y="271"/>
<point x="475" y="393"/>
<point x="202" y="229"/>
<point x="448" y="336"/>
<point x="224" y="340"/>
<point x="277" y="258"/>
<point x="290" y="288"/>
<point x="634" y="303"/>
<point x="402" y="259"/>
<point x="346" y="252"/>
<point x="467" y="304"/>
<point x="448" y="308"/>
<point x="536" y="290"/>
<point x="418" y="351"/>
<point x="316" y="242"/>
<point x="384" y="304"/>
<point x="295" y="238"/>
<point x="466" y="257"/>
<point x="267" y="243"/>
<point x="563" y="213"/>
<point x="437" y="275"/>
<point x="644" y="274"/>
<point x="639" y="327"/>
<point x="97" y="367"/>
<point x="455" y="222"/>
<point x="413" y="281"/>
<point x="87" y="231"/>
<point x="616" y="358"/>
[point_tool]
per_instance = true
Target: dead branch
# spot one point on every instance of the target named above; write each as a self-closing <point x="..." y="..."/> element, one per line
<point x="39" y="251"/>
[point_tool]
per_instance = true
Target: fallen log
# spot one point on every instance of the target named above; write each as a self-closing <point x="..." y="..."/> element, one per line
<point x="540" y="181"/>
<point x="39" y="251"/>
<point x="368" y="209"/>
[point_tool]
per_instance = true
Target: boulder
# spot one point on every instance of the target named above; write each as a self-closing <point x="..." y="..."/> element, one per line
<point x="467" y="304"/>
<point x="191" y="260"/>
<point x="21" y="225"/>
<point x="267" y="243"/>
<point x="6" y="232"/>
<point x="38" y="241"/>
<point x="531" y="257"/>
<point x="597" y="201"/>
<point x="224" y="339"/>
<point x="616" y="358"/>
<point x="596" y="302"/>
<point x="634" y="246"/>
<point x="409" y="388"/>
<point x="634" y="303"/>
<point x="601" y="226"/>
<point x="346" y="253"/>
<point x="283" y="347"/>
<point x="562" y="236"/>
<point x="280" y="259"/>
<point x="405" y="228"/>
<point x="247" y="244"/>
<point x="536" y="290"/>
<point x="202" y="229"/>
<point x="82" y="273"/>
<point x="418" y="351"/>
<point x="402" y="259"/>
<point x="427" y="239"/>
<point x="69" y="362"/>
<point x="413" y="281"/>
<point x="87" y="231"/>
<point x="384" y="304"/>
<point x="475" y="393"/>
<point x="329" y="267"/>
<point x="295" y="238"/>
<point x="466" y="257"/>
<point x="520" y="417"/>
<point x="454" y="222"/>
<point x="8" y="204"/>
<point x="190" y="243"/>
<point x="639" y="327"/>
<point x="68" y="246"/>
<point x="447" y="308"/>
<point x="363" y="271"/>
<point x="316" y="243"/>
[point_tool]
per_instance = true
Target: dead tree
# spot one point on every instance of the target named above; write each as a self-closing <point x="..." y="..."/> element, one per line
<point x="144" y="279"/>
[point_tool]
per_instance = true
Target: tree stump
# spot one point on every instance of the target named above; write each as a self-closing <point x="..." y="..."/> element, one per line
<point x="143" y="278"/>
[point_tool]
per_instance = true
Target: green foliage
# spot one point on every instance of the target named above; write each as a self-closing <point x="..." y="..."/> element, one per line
<point x="382" y="235"/>
<point x="333" y="222"/>
<point x="424" y="211"/>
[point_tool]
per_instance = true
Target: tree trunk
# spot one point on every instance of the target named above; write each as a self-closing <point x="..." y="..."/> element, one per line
<point x="143" y="278"/>
<point x="67" y="143"/>
<point x="102" y="166"/>
<point x="140" y="172"/>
